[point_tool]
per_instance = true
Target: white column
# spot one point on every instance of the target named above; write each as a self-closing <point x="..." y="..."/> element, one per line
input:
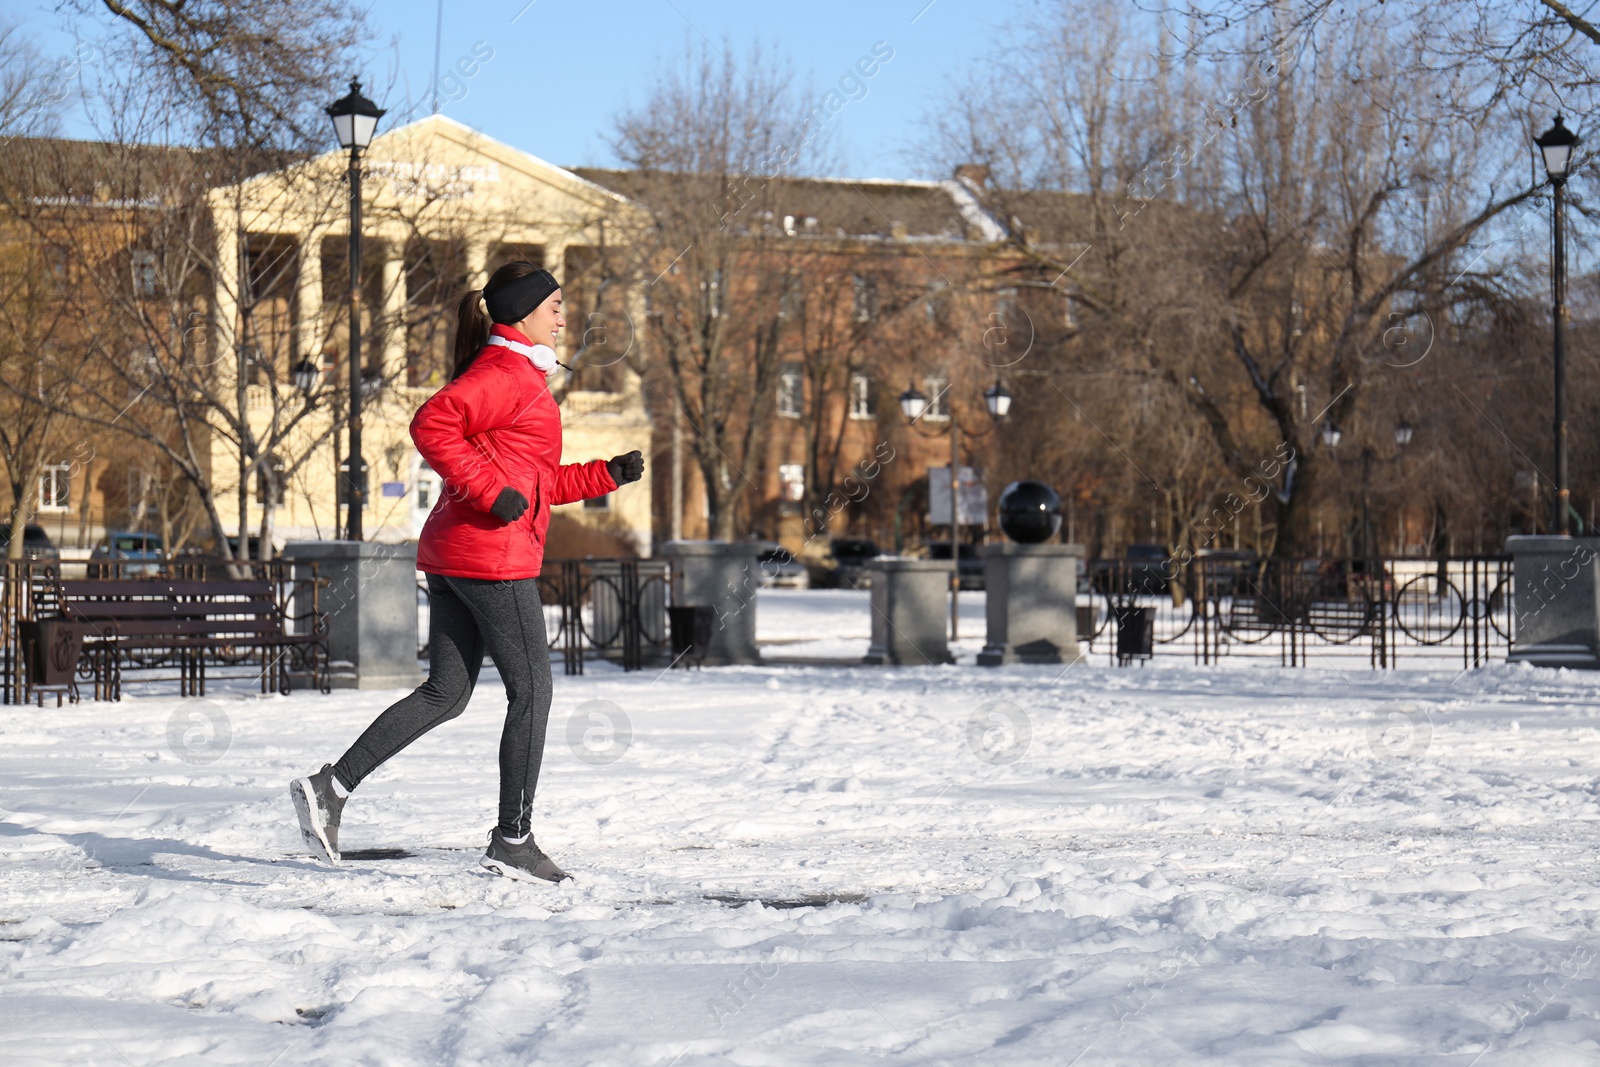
<point x="477" y="263"/>
<point x="308" y="297"/>
<point x="638" y="316"/>
<point x="225" y="300"/>
<point x="394" y="311"/>
<point x="555" y="261"/>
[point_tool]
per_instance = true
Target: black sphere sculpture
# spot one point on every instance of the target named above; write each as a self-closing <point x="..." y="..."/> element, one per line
<point x="1030" y="512"/>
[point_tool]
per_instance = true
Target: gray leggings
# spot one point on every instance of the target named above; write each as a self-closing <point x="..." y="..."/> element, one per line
<point x="468" y="616"/>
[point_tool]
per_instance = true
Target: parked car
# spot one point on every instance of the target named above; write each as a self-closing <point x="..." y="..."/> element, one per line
<point x="969" y="565"/>
<point x="140" y="554"/>
<point x="36" y="544"/>
<point x="252" y="546"/>
<point x="845" y="565"/>
<point x="1229" y="571"/>
<point x="779" y="568"/>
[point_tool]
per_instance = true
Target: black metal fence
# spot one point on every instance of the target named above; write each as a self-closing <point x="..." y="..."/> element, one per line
<point x="608" y="609"/>
<point x="1379" y="613"/>
<point x="1299" y="611"/>
<point x="612" y="609"/>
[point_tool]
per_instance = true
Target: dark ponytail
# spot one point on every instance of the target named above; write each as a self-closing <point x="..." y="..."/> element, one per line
<point x="472" y="332"/>
<point x="472" y="321"/>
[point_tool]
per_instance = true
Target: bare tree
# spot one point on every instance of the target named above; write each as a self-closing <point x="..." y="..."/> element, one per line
<point x="704" y="147"/>
<point x="1263" y="261"/>
<point x="233" y="89"/>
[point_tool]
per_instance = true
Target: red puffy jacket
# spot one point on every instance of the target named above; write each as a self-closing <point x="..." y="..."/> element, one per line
<point x="496" y="426"/>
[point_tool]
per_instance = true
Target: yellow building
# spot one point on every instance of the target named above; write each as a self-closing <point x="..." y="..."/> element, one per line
<point x="442" y="207"/>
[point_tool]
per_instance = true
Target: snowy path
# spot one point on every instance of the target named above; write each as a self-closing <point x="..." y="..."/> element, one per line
<point x="1159" y="866"/>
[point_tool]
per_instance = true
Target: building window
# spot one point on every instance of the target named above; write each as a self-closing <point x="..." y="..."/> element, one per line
<point x="1005" y="306"/>
<point x="793" y="477"/>
<point x="427" y="489"/>
<point x="791" y="391"/>
<point x="55" y="487"/>
<point x="861" y="405"/>
<point x="146" y="275"/>
<point x="792" y="300"/>
<point x="865" y="290"/>
<point x="598" y="503"/>
<point x="269" y="483"/>
<point x="937" y="387"/>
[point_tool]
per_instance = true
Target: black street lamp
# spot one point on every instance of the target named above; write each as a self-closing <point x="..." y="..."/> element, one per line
<point x="1556" y="145"/>
<point x="913" y="403"/>
<point x="355" y="120"/>
<point x="306" y="376"/>
<point x="998" y="399"/>
<point x="1403" y="432"/>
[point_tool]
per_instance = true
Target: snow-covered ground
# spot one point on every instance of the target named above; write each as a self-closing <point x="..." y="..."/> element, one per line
<point x="827" y="865"/>
<point x="836" y="624"/>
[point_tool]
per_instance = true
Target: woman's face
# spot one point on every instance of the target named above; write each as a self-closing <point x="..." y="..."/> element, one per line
<point x="544" y="322"/>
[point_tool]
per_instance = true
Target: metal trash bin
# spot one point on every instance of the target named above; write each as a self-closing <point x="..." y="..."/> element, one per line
<point x="1136" y="634"/>
<point x="51" y="649"/>
<point x="691" y="632"/>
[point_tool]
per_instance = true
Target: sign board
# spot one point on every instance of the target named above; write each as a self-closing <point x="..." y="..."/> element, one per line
<point x="972" y="497"/>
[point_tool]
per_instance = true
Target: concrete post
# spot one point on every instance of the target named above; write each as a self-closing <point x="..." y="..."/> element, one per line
<point x="371" y="604"/>
<point x="909" y="600"/>
<point x="1032" y="605"/>
<point x="724" y="576"/>
<point x="1556" y="609"/>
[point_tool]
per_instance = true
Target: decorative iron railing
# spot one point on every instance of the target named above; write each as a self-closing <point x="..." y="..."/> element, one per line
<point x="610" y="609"/>
<point x="1299" y="610"/>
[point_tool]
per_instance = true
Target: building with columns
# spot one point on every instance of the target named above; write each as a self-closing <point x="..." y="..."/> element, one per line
<point x="443" y="206"/>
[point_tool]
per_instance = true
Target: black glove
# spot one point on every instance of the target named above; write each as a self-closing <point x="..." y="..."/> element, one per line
<point x="509" y="505"/>
<point x="625" y="469"/>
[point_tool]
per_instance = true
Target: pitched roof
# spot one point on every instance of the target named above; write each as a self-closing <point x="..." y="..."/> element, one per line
<point x="823" y="207"/>
<point x="60" y="171"/>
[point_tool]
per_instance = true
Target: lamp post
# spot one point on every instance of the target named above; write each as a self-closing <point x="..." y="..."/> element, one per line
<point x="913" y="405"/>
<point x="305" y="375"/>
<point x="1332" y="435"/>
<point x="1556" y="145"/>
<point x="355" y="119"/>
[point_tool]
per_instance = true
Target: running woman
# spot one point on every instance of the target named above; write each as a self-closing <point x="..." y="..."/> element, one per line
<point x="494" y="435"/>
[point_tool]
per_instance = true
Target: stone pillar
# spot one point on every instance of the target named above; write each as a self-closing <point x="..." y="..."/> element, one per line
<point x="394" y="312"/>
<point x="910" y="612"/>
<point x="722" y="575"/>
<point x="308" y="298"/>
<point x="371" y="602"/>
<point x="1556" y="609"/>
<point x="1032" y="604"/>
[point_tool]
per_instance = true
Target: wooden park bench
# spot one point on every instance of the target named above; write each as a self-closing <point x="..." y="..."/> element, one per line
<point x="189" y="624"/>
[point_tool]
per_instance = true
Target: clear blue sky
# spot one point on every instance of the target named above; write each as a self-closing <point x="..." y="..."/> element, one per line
<point x="561" y="69"/>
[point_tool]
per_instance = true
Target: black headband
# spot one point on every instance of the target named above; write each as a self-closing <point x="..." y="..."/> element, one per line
<point x="514" y="300"/>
